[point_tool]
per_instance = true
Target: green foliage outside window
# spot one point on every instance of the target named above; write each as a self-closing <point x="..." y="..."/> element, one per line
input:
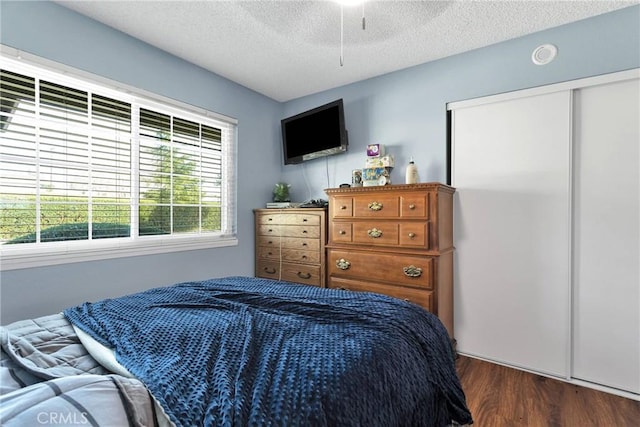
<point x="64" y="218"/>
<point x="63" y="221"/>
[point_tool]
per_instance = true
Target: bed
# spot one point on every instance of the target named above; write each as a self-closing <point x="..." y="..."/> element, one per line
<point x="234" y="351"/>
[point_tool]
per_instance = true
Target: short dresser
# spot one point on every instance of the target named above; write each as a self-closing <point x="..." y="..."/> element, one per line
<point x="290" y="244"/>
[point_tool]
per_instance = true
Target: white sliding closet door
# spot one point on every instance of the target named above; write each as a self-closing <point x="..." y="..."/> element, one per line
<point x="511" y="168"/>
<point x="606" y="344"/>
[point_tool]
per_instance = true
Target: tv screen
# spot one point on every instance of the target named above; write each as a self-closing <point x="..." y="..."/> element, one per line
<point x="315" y="133"/>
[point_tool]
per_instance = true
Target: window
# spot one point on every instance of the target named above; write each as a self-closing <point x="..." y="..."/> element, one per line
<point x="88" y="172"/>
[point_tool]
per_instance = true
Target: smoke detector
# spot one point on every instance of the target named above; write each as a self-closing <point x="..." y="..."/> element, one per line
<point x="544" y="54"/>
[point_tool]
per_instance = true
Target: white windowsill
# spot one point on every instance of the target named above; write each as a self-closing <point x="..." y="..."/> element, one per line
<point x="28" y="256"/>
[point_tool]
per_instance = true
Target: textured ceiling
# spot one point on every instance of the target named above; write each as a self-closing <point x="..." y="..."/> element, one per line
<point x="288" y="49"/>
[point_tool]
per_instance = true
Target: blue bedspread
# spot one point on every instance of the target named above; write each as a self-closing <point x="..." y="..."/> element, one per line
<point x="243" y="351"/>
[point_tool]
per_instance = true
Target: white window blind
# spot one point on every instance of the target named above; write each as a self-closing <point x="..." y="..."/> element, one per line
<point x="181" y="171"/>
<point x="86" y="169"/>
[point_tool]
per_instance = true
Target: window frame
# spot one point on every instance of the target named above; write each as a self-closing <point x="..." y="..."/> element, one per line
<point x="27" y="255"/>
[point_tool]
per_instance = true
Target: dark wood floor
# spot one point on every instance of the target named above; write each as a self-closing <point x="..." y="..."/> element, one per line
<point x="500" y="396"/>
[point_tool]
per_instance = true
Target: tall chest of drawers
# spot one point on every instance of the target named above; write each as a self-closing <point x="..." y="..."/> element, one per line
<point x="395" y="240"/>
<point x="290" y="244"/>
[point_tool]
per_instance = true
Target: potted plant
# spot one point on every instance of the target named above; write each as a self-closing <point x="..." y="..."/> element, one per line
<point x="281" y="192"/>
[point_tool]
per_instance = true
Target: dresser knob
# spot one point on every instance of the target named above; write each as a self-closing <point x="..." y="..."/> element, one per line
<point x="412" y="235"/>
<point x="304" y="220"/>
<point x="270" y="219"/>
<point x="412" y="271"/>
<point x="304" y="275"/>
<point x="304" y="244"/>
<point x="343" y="264"/>
<point x="269" y="270"/>
<point x="342" y="232"/>
<point x="343" y="207"/>
<point x="375" y="206"/>
<point x="412" y="206"/>
<point x="374" y="233"/>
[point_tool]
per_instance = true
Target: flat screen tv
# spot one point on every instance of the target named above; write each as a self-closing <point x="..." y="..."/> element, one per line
<point x="315" y="133"/>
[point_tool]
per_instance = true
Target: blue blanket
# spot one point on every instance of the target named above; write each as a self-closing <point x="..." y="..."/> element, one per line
<point x="243" y="351"/>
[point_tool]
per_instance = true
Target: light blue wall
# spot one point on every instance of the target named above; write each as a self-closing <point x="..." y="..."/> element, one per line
<point x="405" y="110"/>
<point x="56" y="33"/>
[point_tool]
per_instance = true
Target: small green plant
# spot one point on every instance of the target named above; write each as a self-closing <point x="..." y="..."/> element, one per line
<point x="281" y="192"/>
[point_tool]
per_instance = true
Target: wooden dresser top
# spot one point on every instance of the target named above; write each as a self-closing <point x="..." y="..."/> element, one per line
<point x="425" y="186"/>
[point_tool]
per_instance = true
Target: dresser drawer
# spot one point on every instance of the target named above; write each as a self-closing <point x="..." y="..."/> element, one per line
<point x="288" y="242"/>
<point x="414" y="234"/>
<point x="341" y="207"/>
<point x="376" y="206"/>
<point x="309" y="231"/>
<point x="409" y="270"/>
<point x="375" y="233"/>
<point x="410" y="234"/>
<point x="299" y="273"/>
<point x="289" y="219"/>
<point x="341" y="232"/>
<point x="414" y="205"/>
<point x="293" y="255"/>
<point x="421" y="297"/>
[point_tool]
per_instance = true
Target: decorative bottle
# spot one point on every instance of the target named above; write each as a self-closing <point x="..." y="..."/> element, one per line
<point x="411" y="176"/>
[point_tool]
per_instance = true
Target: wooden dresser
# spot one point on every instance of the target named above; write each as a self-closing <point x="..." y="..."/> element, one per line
<point x="395" y="240"/>
<point x="290" y="244"/>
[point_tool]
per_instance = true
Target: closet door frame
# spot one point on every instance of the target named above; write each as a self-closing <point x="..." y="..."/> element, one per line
<point x="571" y="87"/>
